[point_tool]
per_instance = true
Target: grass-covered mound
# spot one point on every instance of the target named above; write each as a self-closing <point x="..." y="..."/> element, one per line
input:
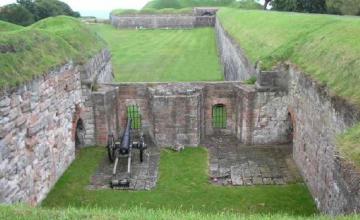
<point x="183" y="185"/>
<point x="151" y="11"/>
<point x="324" y="46"/>
<point x="34" y="50"/>
<point x="27" y="213"/>
<point x="6" y="26"/>
<point x="162" y="55"/>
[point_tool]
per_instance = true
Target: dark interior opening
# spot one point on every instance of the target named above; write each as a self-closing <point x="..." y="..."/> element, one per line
<point x="290" y="128"/>
<point x="79" y="134"/>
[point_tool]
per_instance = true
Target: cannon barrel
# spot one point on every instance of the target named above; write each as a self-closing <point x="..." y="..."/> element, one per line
<point x="126" y="139"/>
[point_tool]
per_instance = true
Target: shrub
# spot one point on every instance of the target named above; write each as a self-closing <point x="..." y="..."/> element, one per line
<point x="16" y="14"/>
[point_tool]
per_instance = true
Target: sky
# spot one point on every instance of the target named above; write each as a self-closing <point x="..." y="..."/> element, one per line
<point x="98" y="8"/>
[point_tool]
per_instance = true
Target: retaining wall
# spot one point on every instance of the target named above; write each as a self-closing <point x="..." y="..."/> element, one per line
<point x="172" y="21"/>
<point x="38" y="125"/>
<point x="236" y="66"/>
<point x="318" y="118"/>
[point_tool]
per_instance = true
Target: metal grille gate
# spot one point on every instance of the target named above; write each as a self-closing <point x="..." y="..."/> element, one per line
<point x="219" y="116"/>
<point x="133" y="112"/>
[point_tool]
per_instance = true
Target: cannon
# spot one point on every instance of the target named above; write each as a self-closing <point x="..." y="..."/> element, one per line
<point x="122" y="148"/>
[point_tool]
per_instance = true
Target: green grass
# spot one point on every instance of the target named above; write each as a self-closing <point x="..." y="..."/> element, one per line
<point x="6" y="26"/>
<point x="27" y="213"/>
<point x="162" y="55"/>
<point x="326" y="47"/>
<point x="151" y="11"/>
<point x="75" y="33"/>
<point x="34" y="50"/>
<point x="183" y="185"/>
<point x="348" y="144"/>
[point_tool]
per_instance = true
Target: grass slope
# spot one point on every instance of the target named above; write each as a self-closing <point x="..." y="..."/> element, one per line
<point x="324" y="46"/>
<point x="183" y="185"/>
<point x="32" y="51"/>
<point x="162" y="55"/>
<point x="6" y="26"/>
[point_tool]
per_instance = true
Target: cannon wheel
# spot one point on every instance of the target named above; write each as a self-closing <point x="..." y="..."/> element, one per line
<point x="111" y="148"/>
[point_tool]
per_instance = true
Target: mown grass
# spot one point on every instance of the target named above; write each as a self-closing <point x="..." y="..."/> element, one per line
<point x="162" y="55"/>
<point x="27" y="213"/>
<point x="182" y="185"/>
<point x="324" y="46"/>
<point x="34" y="50"/>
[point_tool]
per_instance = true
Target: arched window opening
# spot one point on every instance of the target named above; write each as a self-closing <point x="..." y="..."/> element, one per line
<point x="290" y="128"/>
<point x="133" y="112"/>
<point x="80" y="134"/>
<point x="219" y="116"/>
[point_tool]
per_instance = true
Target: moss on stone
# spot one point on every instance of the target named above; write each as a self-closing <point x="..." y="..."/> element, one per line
<point x="349" y="145"/>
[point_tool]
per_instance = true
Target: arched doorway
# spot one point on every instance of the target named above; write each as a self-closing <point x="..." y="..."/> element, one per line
<point x="291" y="127"/>
<point x="80" y="134"/>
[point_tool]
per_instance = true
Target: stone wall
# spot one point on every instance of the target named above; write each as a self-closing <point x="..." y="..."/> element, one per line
<point x="96" y="71"/>
<point x="236" y="65"/>
<point x="172" y="21"/>
<point x="318" y="118"/>
<point x="181" y="113"/>
<point x="38" y="126"/>
<point x="176" y="115"/>
<point x="153" y="21"/>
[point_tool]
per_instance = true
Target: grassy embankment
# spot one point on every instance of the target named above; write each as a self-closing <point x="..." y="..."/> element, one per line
<point x="325" y="47"/>
<point x="182" y="185"/>
<point x="162" y="55"/>
<point x="34" y="50"/>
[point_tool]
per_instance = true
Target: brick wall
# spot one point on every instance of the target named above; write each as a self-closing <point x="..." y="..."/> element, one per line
<point x="181" y="113"/>
<point x="37" y="128"/>
<point x="318" y="118"/>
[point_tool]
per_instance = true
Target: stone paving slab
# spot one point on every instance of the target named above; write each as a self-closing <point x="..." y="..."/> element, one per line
<point x="232" y="163"/>
<point x="143" y="175"/>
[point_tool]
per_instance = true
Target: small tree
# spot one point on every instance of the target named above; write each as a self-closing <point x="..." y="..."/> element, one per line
<point x="309" y="6"/>
<point x="48" y="8"/>
<point x="266" y="3"/>
<point x="343" y="7"/>
<point x="16" y="14"/>
<point x="29" y="5"/>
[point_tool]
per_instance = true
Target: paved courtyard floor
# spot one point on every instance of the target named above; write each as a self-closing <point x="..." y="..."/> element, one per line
<point x="143" y="175"/>
<point x="232" y="163"/>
